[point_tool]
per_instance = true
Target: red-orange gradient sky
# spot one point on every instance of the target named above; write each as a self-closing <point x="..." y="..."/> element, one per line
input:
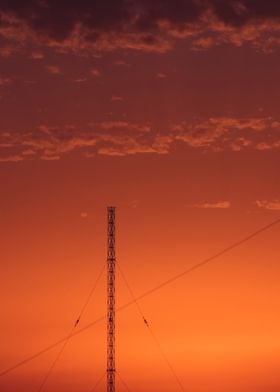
<point x="168" y="109"/>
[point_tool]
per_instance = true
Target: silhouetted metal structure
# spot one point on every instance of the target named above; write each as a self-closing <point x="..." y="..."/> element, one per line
<point x="111" y="264"/>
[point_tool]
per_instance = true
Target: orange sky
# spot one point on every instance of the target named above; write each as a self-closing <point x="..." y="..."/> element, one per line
<point x="171" y="114"/>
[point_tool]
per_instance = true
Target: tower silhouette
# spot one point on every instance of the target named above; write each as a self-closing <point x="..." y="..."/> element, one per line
<point x="111" y="264"/>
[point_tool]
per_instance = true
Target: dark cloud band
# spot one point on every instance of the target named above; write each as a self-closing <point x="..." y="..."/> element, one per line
<point x="136" y="24"/>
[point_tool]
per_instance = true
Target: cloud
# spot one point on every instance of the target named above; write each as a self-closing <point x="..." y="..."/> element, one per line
<point x="220" y="133"/>
<point x="122" y="138"/>
<point x="53" y="69"/>
<point x="95" y="72"/>
<point x="216" y="205"/>
<point x="124" y="126"/>
<point x="81" y="80"/>
<point x="134" y="204"/>
<point x="268" y="145"/>
<point x="105" y="25"/>
<point x="11" y="158"/>
<point x="268" y="204"/>
<point x="4" y="81"/>
<point x="260" y="34"/>
<point x="8" y="50"/>
<point x="107" y="138"/>
<point x="131" y="145"/>
<point x="161" y="75"/>
<point x="37" y="55"/>
<point x="121" y="63"/>
<point x="116" y="98"/>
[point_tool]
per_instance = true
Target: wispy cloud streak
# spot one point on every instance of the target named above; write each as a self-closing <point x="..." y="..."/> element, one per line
<point x="121" y="138"/>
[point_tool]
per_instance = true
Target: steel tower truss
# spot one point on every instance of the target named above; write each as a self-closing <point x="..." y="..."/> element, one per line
<point x="111" y="264"/>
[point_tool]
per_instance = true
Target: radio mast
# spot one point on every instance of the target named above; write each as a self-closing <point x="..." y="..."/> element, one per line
<point x="111" y="264"/>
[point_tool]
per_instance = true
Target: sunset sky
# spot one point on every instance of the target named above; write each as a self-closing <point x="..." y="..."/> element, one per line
<point x="168" y="110"/>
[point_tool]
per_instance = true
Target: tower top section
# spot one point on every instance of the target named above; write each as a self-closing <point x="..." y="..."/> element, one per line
<point x="111" y="252"/>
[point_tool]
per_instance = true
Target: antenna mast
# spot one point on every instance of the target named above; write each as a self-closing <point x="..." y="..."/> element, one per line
<point x="111" y="263"/>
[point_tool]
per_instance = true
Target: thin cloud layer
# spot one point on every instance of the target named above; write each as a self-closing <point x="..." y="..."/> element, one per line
<point x="53" y="69"/>
<point x="216" y="205"/>
<point x="268" y="204"/>
<point x="140" y="24"/>
<point x="121" y="138"/>
<point x="220" y="133"/>
<point x="107" y="138"/>
<point x="4" y="81"/>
